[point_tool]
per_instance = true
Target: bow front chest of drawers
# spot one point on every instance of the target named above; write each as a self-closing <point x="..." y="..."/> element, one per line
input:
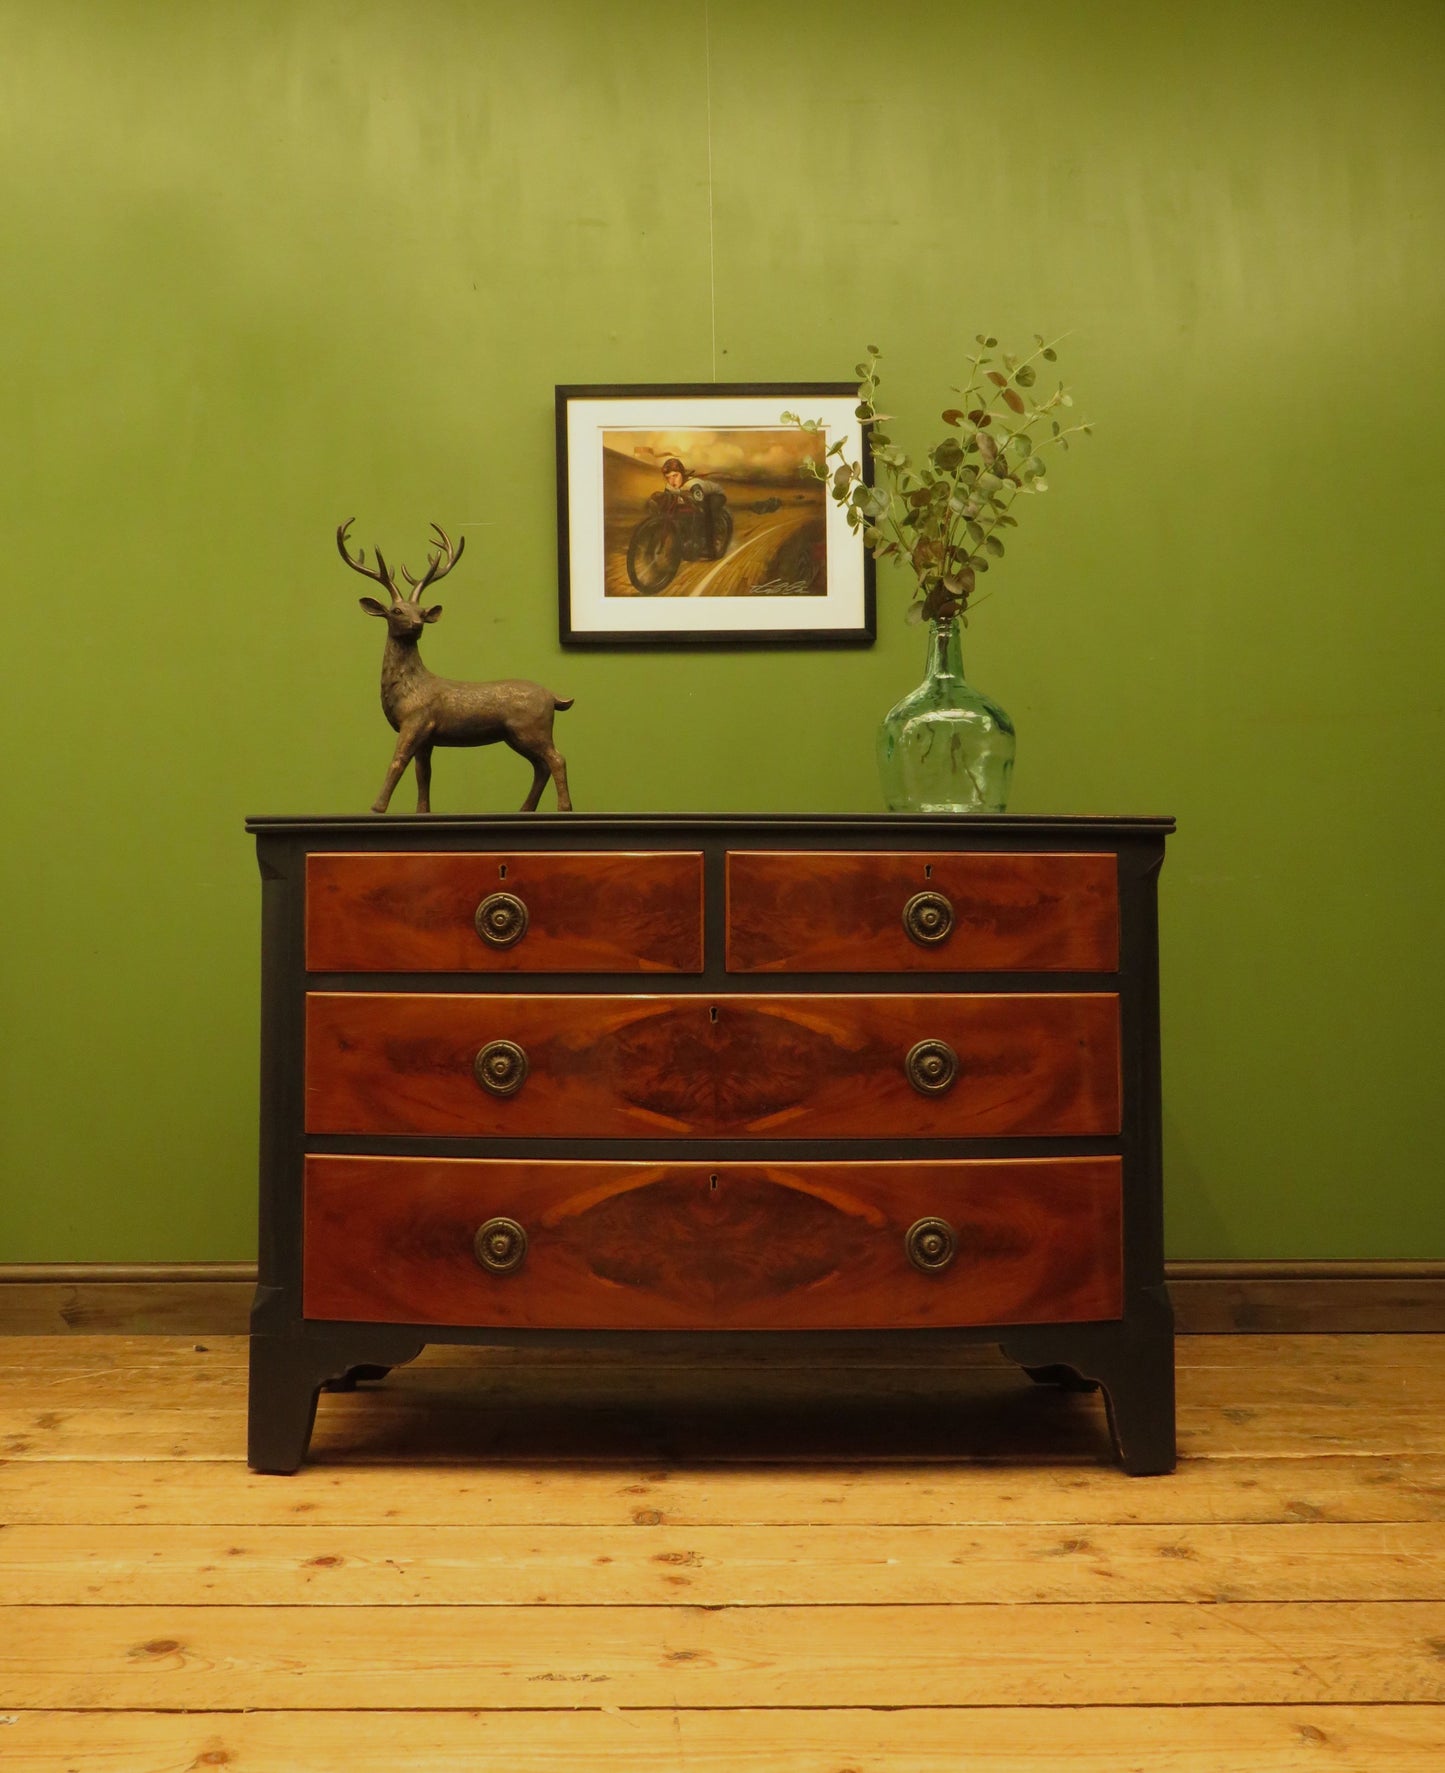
<point x="560" y="1076"/>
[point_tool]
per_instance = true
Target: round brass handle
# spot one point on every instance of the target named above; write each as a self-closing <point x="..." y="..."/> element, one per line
<point x="928" y="918"/>
<point x="931" y="1244"/>
<point x="932" y="1067"/>
<point x="501" y="1067"/>
<point x="500" y="1246"/>
<point x="501" y="920"/>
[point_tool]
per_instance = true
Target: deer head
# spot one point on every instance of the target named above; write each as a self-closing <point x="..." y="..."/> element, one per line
<point x="405" y="616"/>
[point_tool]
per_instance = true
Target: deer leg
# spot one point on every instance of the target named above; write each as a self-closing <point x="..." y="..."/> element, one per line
<point x="539" y="782"/>
<point x="557" y="764"/>
<point x="423" y="778"/>
<point x="401" y="757"/>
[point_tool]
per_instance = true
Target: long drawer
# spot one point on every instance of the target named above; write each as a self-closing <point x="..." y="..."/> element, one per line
<point x="540" y="1245"/>
<point x="765" y="1066"/>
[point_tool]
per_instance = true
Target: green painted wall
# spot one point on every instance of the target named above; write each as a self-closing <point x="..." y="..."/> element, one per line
<point x="270" y="263"/>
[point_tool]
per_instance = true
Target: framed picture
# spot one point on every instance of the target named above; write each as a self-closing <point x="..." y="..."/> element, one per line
<point x="685" y="517"/>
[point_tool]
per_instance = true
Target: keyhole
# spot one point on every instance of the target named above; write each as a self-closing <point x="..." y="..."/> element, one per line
<point x="712" y="1017"/>
<point x="927" y="871"/>
<point x="712" y="1183"/>
<point x="502" y="872"/>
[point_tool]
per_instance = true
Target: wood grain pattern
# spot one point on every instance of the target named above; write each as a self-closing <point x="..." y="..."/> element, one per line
<point x="493" y="1658"/>
<point x="104" y="1492"/>
<point x="826" y="1415"/>
<point x="588" y="912"/>
<point x="817" y="912"/>
<point x="774" y="1066"/>
<point x="901" y="1739"/>
<point x="731" y="1246"/>
<point x="307" y="1565"/>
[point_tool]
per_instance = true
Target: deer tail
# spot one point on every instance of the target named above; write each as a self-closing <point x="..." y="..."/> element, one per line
<point x="562" y="703"/>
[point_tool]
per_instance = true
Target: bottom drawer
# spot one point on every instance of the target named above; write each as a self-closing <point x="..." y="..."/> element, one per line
<point x="735" y="1246"/>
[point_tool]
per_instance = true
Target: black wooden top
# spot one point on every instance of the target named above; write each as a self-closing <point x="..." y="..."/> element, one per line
<point x="1070" y="825"/>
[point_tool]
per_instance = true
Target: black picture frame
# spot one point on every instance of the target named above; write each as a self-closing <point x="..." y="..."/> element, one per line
<point x="740" y="550"/>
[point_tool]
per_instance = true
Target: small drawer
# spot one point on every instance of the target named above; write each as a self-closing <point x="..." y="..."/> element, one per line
<point x="504" y="911"/>
<point x="735" y="1246"/>
<point x="764" y="1066"/>
<point x="889" y="912"/>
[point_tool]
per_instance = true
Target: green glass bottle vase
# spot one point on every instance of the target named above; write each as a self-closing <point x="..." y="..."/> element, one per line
<point x="946" y="748"/>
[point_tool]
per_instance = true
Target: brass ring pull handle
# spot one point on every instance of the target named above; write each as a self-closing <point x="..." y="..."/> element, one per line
<point x="931" y="1244"/>
<point x="928" y="919"/>
<point x="500" y="1246"/>
<point x="932" y="1067"/>
<point x="501" y="1067"/>
<point x="501" y="920"/>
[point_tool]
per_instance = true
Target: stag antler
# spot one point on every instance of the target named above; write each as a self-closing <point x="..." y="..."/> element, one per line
<point x="435" y="570"/>
<point x="382" y="574"/>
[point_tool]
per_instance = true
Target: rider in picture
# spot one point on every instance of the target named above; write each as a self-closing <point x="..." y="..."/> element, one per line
<point x="680" y="485"/>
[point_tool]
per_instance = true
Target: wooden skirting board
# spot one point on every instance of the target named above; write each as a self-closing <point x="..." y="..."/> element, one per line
<point x="1210" y="1298"/>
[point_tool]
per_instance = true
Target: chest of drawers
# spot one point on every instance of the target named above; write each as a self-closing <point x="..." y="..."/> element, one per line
<point x="531" y="1076"/>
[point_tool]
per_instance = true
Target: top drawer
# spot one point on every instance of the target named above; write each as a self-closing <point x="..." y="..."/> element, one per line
<point x="504" y="911"/>
<point x="874" y="911"/>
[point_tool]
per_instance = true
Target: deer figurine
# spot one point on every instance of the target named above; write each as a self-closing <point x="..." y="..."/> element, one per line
<point x="427" y="710"/>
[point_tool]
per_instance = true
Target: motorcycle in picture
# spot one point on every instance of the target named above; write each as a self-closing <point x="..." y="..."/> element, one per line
<point x="682" y="523"/>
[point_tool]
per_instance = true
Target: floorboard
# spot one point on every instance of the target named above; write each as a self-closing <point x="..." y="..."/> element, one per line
<point x="543" y="1560"/>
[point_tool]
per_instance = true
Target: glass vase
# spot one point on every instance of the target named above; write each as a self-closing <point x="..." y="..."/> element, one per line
<point x="946" y="748"/>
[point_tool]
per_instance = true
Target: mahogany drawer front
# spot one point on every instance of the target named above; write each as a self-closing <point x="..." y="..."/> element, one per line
<point x="588" y="912"/>
<point x="772" y="1066"/>
<point x="844" y="912"/>
<point x="727" y="1246"/>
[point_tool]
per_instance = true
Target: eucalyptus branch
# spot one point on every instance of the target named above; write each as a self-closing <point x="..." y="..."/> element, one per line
<point x="935" y="513"/>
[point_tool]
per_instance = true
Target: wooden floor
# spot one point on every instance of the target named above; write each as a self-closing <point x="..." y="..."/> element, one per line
<point x="527" y="1561"/>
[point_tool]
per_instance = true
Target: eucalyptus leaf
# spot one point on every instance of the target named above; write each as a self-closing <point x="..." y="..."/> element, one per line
<point x="1013" y="400"/>
<point x="1026" y="375"/>
<point x="994" y="546"/>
